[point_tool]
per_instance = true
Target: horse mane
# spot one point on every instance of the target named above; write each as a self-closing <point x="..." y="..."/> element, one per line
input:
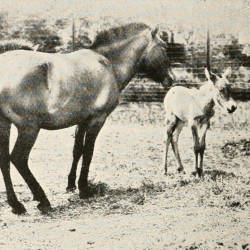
<point x="114" y="34"/>
<point x="14" y="44"/>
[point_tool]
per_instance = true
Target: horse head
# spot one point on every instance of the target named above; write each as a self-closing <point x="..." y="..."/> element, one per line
<point x="155" y="61"/>
<point x="222" y="90"/>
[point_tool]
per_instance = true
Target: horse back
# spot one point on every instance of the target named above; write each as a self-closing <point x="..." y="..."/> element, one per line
<point x="23" y="78"/>
<point x="52" y="87"/>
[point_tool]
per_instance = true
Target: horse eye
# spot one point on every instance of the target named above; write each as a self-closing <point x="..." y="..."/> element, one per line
<point x="225" y="92"/>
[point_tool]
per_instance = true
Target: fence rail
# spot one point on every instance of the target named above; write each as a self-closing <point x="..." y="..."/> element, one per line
<point x="157" y="94"/>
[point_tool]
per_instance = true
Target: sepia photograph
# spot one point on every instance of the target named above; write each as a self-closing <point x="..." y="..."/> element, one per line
<point x="124" y="124"/>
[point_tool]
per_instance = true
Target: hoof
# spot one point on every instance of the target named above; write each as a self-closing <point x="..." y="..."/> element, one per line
<point x="71" y="189"/>
<point x="180" y="169"/>
<point x="194" y="173"/>
<point x="19" y="209"/>
<point x="200" y="172"/>
<point x="165" y="169"/>
<point x="85" y="194"/>
<point x="44" y="207"/>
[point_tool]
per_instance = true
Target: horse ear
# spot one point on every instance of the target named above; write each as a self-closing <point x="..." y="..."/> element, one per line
<point x="36" y="47"/>
<point x="207" y="74"/>
<point x="227" y="72"/>
<point x="154" y="32"/>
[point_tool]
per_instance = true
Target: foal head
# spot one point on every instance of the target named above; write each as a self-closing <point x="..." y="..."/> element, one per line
<point x="222" y="90"/>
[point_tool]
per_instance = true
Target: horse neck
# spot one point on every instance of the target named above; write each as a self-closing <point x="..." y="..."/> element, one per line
<point x="125" y="57"/>
<point x="205" y="96"/>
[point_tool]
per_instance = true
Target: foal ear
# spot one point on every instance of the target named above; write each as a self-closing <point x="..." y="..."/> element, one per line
<point x="154" y="32"/>
<point x="210" y="76"/>
<point x="36" y="47"/>
<point x="207" y="74"/>
<point x="227" y="72"/>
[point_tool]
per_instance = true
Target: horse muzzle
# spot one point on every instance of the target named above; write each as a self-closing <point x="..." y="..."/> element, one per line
<point x="232" y="109"/>
<point x="169" y="79"/>
<point x="168" y="82"/>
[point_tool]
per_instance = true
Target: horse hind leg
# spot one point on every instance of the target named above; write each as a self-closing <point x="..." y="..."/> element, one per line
<point x="19" y="157"/>
<point x="77" y="153"/>
<point x="174" y="143"/>
<point x="88" y="149"/>
<point x="17" y="207"/>
<point x="171" y="122"/>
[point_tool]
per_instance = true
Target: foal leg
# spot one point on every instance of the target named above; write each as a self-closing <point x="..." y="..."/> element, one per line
<point x="77" y="153"/>
<point x="19" y="157"/>
<point x="196" y="148"/>
<point x="171" y="125"/>
<point x="174" y="143"/>
<point x="88" y="150"/>
<point x="202" y="149"/>
<point x="17" y="207"/>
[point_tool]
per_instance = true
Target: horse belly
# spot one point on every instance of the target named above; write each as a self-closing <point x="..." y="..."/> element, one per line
<point x="62" y="120"/>
<point x="64" y="113"/>
<point x="74" y="112"/>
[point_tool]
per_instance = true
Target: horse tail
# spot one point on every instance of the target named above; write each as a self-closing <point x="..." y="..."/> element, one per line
<point x="15" y="44"/>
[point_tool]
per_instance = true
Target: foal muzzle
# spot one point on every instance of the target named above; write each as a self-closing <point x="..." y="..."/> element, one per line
<point x="232" y="109"/>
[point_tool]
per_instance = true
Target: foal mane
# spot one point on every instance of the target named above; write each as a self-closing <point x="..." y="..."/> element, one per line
<point x="119" y="33"/>
<point x="14" y="44"/>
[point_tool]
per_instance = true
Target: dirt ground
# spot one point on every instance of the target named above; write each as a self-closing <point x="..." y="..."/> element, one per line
<point x="135" y="206"/>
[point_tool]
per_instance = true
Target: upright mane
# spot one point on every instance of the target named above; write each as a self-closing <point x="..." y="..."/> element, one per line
<point x="118" y="33"/>
<point x="13" y="44"/>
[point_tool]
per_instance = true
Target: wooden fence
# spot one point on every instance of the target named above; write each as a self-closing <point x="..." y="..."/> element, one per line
<point x="156" y="94"/>
<point x="143" y="90"/>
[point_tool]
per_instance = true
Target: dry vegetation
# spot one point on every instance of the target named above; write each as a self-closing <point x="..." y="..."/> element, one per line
<point x="135" y="206"/>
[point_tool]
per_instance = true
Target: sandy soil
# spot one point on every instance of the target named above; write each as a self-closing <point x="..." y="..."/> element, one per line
<point x="136" y="206"/>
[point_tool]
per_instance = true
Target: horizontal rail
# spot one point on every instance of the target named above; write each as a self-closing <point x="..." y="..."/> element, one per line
<point x="157" y="94"/>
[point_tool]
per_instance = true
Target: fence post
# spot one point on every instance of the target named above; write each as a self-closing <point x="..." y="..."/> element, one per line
<point x="73" y="34"/>
<point x="208" y="51"/>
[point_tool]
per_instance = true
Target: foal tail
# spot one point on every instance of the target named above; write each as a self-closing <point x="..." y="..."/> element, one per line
<point x="15" y="44"/>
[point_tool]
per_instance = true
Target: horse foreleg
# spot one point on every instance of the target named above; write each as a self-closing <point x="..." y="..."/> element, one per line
<point x="200" y="172"/>
<point x="77" y="153"/>
<point x="19" y="157"/>
<point x="196" y="148"/>
<point x="88" y="149"/>
<point x="202" y="150"/>
<point x="17" y="207"/>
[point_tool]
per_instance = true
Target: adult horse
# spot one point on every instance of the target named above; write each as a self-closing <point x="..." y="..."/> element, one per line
<point x="55" y="91"/>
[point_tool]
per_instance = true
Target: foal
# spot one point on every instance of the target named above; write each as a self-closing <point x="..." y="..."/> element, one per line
<point x="195" y="108"/>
